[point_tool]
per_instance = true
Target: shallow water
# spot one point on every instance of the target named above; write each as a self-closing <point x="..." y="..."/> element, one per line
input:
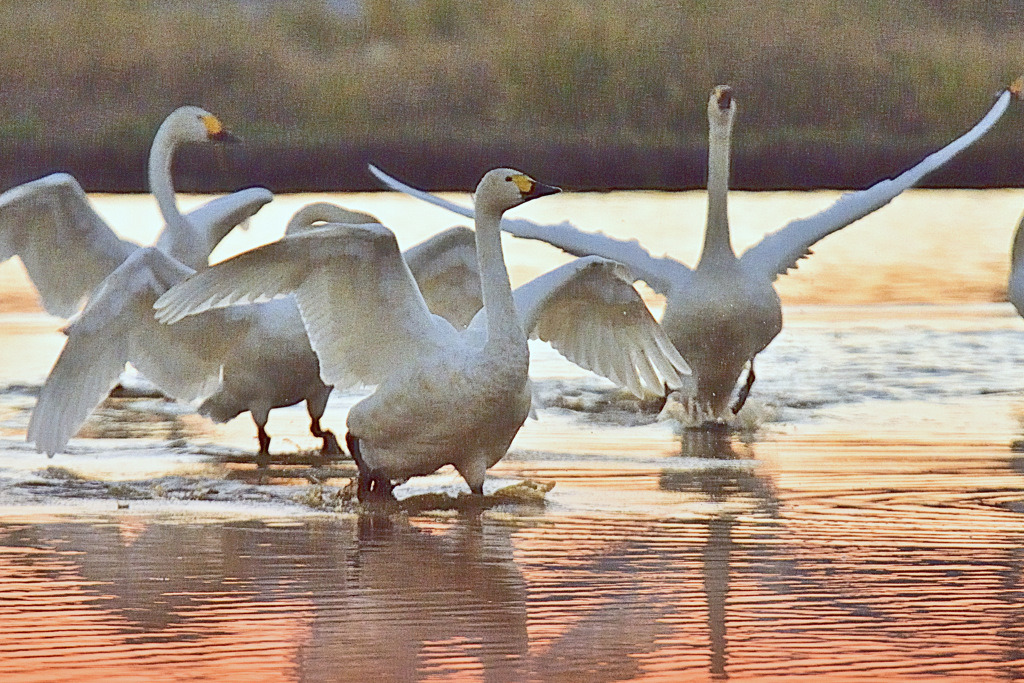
<point x="869" y="523"/>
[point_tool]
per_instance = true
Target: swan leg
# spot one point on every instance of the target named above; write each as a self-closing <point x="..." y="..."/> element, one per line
<point x="260" y="417"/>
<point x="263" y="456"/>
<point x="741" y="398"/>
<point x="331" y="446"/>
<point x="372" y="485"/>
<point x="315" y="406"/>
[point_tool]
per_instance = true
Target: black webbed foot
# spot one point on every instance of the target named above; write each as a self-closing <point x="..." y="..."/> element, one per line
<point x="263" y="456"/>
<point x="372" y="485"/>
<point x="330" y="446"/>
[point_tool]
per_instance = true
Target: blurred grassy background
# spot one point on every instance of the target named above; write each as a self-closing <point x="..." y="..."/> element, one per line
<point x="590" y="94"/>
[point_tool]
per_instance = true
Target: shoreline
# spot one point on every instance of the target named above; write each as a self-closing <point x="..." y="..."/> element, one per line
<point x="450" y="166"/>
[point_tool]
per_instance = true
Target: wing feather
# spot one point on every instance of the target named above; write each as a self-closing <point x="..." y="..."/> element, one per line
<point x="65" y="246"/>
<point x="221" y="214"/>
<point x="359" y="303"/>
<point x="589" y="312"/>
<point x="445" y="268"/>
<point x="780" y="251"/>
<point x="660" y="273"/>
<point x="118" y="327"/>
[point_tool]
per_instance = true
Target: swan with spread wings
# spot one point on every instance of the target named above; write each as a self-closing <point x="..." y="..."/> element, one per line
<point x="68" y="249"/>
<point x="723" y="312"/>
<point x="252" y="358"/>
<point x="442" y="396"/>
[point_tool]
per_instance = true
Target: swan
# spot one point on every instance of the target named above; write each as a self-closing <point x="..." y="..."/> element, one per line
<point x="442" y="396"/>
<point x="725" y="311"/>
<point x="68" y="249"/>
<point x="252" y="358"/>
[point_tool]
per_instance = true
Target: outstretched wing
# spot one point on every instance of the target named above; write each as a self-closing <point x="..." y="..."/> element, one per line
<point x="66" y="247"/>
<point x="230" y="210"/>
<point x="117" y="326"/>
<point x="590" y="313"/>
<point x="660" y="273"/>
<point x="211" y="222"/>
<point x="781" y="250"/>
<point x="359" y="302"/>
<point x="445" y="268"/>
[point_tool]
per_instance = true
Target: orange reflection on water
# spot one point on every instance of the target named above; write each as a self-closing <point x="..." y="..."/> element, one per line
<point x="53" y="620"/>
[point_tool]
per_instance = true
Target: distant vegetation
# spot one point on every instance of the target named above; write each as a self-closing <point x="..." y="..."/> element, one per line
<point x="590" y="89"/>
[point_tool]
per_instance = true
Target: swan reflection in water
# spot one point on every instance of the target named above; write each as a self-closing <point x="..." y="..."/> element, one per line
<point x="632" y="623"/>
<point x="338" y="599"/>
<point x="597" y="598"/>
<point x="726" y="479"/>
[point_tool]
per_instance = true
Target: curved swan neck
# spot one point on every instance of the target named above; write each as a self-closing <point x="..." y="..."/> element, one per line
<point x="717" y="242"/>
<point x="503" y="323"/>
<point x="161" y="155"/>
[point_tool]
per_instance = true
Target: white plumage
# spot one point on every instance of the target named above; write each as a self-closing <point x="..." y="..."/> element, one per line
<point x="442" y="396"/>
<point x="252" y="358"/>
<point x="68" y="249"/>
<point x="724" y="311"/>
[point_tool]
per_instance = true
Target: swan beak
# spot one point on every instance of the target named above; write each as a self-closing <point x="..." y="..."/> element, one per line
<point x="1016" y="87"/>
<point x="215" y="130"/>
<point x="540" y="190"/>
<point x="224" y="135"/>
<point x="724" y="97"/>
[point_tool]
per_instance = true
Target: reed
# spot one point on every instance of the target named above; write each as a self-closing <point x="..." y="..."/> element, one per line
<point x="635" y="73"/>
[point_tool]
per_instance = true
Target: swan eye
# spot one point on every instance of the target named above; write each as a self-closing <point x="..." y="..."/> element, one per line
<point x="523" y="182"/>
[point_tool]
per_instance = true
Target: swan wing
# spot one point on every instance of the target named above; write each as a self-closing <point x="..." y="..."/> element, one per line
<point x="359" y="303"/>
<point x="590" y="313"/>
<point x="65" y="246"/>
<point x="780" y="251"/>
<point x="662" y="274"/>
<point x="117" y="326"/>
<point x="220" y="215"/>
<point x="445" y="268"/>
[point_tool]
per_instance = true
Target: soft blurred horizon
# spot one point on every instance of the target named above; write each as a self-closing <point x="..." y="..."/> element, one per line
<point x="595" y="95"/>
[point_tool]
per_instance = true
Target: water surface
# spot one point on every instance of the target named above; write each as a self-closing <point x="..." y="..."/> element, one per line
<point x="868" y="523"/>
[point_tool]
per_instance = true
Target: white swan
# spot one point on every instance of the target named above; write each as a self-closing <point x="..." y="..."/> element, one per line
<point x="68" y="249"/>
<point x="726" y="310"/>
<point x="443" y="396"/>
<point x="252" y="358"/>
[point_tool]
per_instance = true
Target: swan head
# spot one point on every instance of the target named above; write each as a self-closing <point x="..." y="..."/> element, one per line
<point x="721" y="110"/>
<point x="324" y="212"/>
<point x="195" y="124"/>
<point x="505" y="188"/>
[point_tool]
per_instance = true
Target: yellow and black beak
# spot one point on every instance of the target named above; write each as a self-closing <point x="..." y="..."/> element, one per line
<point x="215" y="130"/>
<point x="531" y="189"/>
<point x="541" y="190"/>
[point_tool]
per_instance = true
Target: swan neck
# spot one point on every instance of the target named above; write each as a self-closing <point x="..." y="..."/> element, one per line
<point x="503" y="325"/>
<point x="161" y="155"/>
<point x="717" y="241"/>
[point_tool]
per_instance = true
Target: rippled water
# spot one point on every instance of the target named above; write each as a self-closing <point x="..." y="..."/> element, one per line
<point x="869" y="523"/>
